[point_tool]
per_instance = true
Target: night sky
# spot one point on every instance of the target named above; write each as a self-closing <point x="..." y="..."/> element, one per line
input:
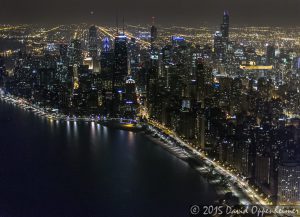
<point x="168" y="12"/>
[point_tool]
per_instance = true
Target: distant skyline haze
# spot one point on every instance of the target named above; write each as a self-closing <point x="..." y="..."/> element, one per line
<point x="167" y="12"/>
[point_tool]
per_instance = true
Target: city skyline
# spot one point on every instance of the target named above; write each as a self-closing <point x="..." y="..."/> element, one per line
<point x="223" y="100"/>
<point x="191" y="12"/>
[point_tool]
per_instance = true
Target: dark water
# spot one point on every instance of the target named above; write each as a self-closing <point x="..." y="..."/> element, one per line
<point x="7" y="44"/>
<point x="60" y="169"/>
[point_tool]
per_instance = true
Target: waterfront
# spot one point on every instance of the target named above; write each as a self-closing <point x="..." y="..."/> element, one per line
<point x="51" y="168"/>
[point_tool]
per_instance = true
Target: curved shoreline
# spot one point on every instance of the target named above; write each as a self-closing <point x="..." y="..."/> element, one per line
<point x="186" y="152"/>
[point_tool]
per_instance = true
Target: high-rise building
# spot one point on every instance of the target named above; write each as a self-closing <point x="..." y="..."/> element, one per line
<point x="133" y="57"/>
<point x="130" y="99"/>
<point x="106" y="44"/>
<point x="107" y="64"/>
<point x="218" y="45"/>
<point x="225" y="25"/>
<point x="270" y="54"/>
<point x="121" y="61"/>
<point x="221" y="38"/>
<point x="289" y="183"/>
<point x="75" y="52"/>
<point x="93" y="37"/>
<point x="203" y="80"/>
<point x="153" y="35"/>
<point x="153" y="84"/>
<point x="63" y="52"/>
<point x="120" y="72"/>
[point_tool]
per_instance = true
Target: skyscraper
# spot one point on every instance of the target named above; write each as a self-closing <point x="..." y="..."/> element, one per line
<point x="270" y="54"/>
<point x="107" y="64"/>
<point x="129" y="110"/>
<point x="120" y="72"/>
<point x="75" y="52"/>
<point x="225" y="25"/>
<point x="289" y="183"/>
<point x="106" y="44"/>
<point x="153" y="35"/>
<point x="93" y="47"/>
<point x="218" y="45"/>
<point x="63" y="52"/>
<point x="221" y="38"/>
<point x="121" y="61"/>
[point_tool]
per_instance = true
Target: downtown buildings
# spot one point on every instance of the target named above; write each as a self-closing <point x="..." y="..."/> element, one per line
<point x="237" y="104"/>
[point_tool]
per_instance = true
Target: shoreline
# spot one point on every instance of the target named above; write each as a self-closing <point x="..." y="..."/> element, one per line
<point x="42" y="112"/>
<point x="176" y="147"/>
<point x="200" y="165"/>
<point x="236" y="185"/>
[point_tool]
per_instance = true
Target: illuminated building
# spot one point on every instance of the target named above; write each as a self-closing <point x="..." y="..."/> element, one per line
<point x="63" y="52"/>
<point x="219" y="48"/>
<point x="89" y="62"/>
<point x="221" y="39"/>
<point x="153" y="85"/>
<point x="225" y="26"/>
<point x="270" y="54"/>
<point x="93" y="49"/>
<point x="121" y="61"/>
<point x="62" y="73"/>
<point x="134" y="57"/>
<point x="289" y="184"/>
<point x="254" y="67"/>
<point x="178" y="41"/>
<point x="236" y="100"/>
<point x="106" y="44"/>
<point x="93" y="46"/>
<point x="153" y="35"/>
<point x="75" y="52"/>
<point x="75" y="76"/>
<point x="120" y="71"/>
<point x="107" y="63"/>
<point x="203" y="81"/>
<point x="130" y="99"/>
<point x="166" y="53"/>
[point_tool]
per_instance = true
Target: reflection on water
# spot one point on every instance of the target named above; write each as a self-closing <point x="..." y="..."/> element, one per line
<point x="51" y="124"/>
<point x="94" y="134"/>
<point x="75" y="134"/>
<point x="131" y="138"/>
<point x="105" y="133"/>
<point x="85" y="169"/>
<point x="98" y="128"/>
<point x="68" y="126"/>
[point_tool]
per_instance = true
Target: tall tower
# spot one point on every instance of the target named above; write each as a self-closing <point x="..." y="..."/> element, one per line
<point x="106" y="47"/>
<point x="121" y="61"/>
<point x="93" y="48"/>
<point x="107" y="63"/>
<point x="204" y="80"/>
<point x="75" y="52"/>
<point x="270" y="54"/>
<point x="120" y="71"/>
<point x="153" y="33"/>
<point x="225" y="25"/>
<point x="218" y="45"/>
